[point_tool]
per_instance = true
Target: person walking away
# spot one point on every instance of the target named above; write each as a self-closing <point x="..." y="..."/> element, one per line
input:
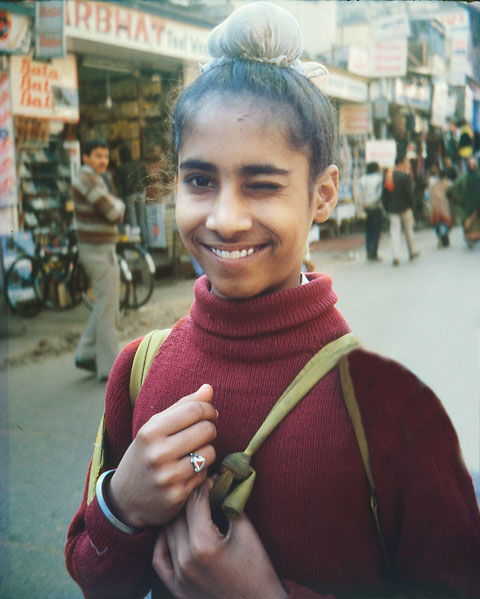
<point x="439" y="208"/>
<point x="397" y="198"/>
<point x="465" y="196"/>
<point x="97" y="212"/>
<point x="130" y="179"/>
<point x="371" y="192"/>
<point x="255" y="144"/>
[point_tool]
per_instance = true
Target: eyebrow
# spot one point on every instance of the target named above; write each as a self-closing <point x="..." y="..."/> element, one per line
<point x="246" y="171"/>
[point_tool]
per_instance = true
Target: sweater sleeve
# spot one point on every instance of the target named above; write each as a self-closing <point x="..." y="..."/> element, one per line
<point x="98" y="196"/>
<point x="427" y="503"/>
<point x="102" y="560"/>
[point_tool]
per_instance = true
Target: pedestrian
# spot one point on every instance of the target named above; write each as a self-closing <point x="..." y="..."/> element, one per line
<point x="439" y="207"/>
<point x="130" y="179"/>
<point x="465" y="144"/>
<point x="465" y="196"/>
<point x="397" y="198"/>
<point x="97" y="213"/>
<point x="255" y="141"/>
<point x="371" y="192"/>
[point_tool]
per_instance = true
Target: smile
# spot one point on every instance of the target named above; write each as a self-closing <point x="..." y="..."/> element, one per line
<point x="234" y="255"/>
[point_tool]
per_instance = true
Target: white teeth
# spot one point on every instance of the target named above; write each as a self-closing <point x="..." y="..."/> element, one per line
<point x="235" y="255"/>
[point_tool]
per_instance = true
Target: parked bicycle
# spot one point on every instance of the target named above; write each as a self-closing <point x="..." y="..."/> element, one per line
<point x="51" y="277"/>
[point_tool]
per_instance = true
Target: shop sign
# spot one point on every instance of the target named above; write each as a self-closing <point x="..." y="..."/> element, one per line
<point x="359" y="60"/>
<point x="8" y="178"/>
<point x="118" y="25"/>
<point x="354" y="119"/>
<point x="391" y="27"/>
<point x="49" y="29"/>
<point x="389" y="58"/>
<point x="443" y="105"/>
<point x="45" y="90"/>
<point x="341" y="86"/>
<point x="15" y="33"/>
<point x="383" y="151"/>
<point x="380" y="108"/>
<point x="417" y="95"/>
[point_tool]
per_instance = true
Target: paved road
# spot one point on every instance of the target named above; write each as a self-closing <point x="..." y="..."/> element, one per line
<point x="425" y="314"/>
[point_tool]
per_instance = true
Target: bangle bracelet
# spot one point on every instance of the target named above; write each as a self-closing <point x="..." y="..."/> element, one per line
<point x="105" y="509"/>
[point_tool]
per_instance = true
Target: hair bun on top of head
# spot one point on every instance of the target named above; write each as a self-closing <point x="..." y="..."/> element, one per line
<point x="261" y="32"/>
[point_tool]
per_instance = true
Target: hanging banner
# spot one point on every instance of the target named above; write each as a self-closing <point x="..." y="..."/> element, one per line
<point x="342" y="86"/>
<point x="8" y="177"/>
<point x="391" y="27"/>
<point x="15" y="33"/>
<point x="49" y="29"/>
<point x="383" y="151"/>
<point x="45" y="90"/>
<point x="354" y="119"/>
<point x="389" y="58"/>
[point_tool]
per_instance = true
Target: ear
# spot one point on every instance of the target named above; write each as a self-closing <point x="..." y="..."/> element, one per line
<point x="325" y="194"/>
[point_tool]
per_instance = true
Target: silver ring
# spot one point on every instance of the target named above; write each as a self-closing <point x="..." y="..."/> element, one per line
<point x="197" y="461"/>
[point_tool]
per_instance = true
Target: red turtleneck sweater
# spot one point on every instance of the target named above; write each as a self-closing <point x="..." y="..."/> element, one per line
<point x="310" y="503"/>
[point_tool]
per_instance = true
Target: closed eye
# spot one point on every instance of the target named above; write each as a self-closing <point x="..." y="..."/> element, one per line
<point x="264" y="186"/>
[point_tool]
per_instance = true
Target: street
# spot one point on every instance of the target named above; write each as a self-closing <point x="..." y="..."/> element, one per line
<point x="424" y="313"/>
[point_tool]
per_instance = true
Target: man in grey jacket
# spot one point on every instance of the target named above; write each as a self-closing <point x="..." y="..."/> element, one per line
<point x="97" y="213"/>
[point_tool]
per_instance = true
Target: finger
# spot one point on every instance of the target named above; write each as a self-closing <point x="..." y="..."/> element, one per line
<point x="179" y="417"/>
<point x="182" y="471"/>
<point x="178" y="542"/>
<point x="192" y="438"/>
<point x="162" y="561"/>
<point x="201" y="528"/>
<point x="203" y="393"/>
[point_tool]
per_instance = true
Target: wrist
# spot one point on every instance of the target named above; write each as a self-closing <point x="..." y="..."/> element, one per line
<point x="105" y="506"/>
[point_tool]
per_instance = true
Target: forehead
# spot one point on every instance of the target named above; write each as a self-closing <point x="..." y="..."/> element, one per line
<point x="244" y="126"/>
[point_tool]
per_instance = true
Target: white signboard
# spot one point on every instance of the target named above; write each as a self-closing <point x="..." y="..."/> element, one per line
<point x="383" y="151"/>
<point x="117" y="25"/>
<point x="8" y="179"/>
<point x="359" y="61"/>
<point x="49" y="29"/>
<point x="389" y="58"/>
<point x="341" y="86"/>
<point x="391" y="27"/>
<point x="15" y="33"/>
<point x="45" y="90"/>
<point x="354" y="119"/>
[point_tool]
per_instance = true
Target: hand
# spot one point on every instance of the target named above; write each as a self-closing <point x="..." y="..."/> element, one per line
<point x="155" y="476"/>
<point x="195" y="561"/>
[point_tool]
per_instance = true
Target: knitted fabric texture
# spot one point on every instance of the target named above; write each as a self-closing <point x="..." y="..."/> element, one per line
<point x="310" y="503"/>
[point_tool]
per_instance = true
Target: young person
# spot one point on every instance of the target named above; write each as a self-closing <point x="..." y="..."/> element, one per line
<point x="371" y="192"/>
<point x="255" y="141"/>
<point x="97" y="213"/>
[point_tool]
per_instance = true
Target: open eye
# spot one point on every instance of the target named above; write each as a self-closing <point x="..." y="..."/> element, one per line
<point x="198" y="181"/>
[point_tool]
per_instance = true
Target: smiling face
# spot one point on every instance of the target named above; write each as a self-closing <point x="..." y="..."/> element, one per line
<point x="245" y="202"/>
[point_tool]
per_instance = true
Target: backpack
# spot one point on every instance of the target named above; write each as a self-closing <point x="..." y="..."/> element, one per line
<point x="236" y="471"/>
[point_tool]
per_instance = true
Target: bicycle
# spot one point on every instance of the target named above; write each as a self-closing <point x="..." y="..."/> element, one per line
<point x="142" y="268"/>
<point x="51" y="277"/>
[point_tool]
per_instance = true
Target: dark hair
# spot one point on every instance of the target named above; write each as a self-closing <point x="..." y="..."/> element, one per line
<point x="285" y="92"/>
<point x="400" y="159"/>
<point x="125" y="154"/>
<point x="451" y="173"/>
<point x="92" y="145"/>
<point x="372" y="167"/>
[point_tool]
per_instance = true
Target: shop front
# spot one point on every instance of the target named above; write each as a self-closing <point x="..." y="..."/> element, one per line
<point x="350" y="96"/>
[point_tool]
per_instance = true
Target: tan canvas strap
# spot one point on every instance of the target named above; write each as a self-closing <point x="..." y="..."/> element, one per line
<point x="356" y="418"/>
<point x="236" y="466"/>
<point x="143" y="359"/>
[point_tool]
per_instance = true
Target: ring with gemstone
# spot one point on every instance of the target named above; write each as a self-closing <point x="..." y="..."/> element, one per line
<point x="197" y="461"/>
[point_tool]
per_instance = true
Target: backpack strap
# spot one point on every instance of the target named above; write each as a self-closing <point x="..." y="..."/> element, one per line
<point x="356" y="418"/>
<point x="236" y="466"/>
<point x="142" y="361"/>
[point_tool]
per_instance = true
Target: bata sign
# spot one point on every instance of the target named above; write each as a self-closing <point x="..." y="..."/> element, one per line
<point x="121" y="26"/>
<point x="45" y="90"/>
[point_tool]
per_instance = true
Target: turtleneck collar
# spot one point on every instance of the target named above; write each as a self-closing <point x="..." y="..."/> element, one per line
<point x="287" y="321"/>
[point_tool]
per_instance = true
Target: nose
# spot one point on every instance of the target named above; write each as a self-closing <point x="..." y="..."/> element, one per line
<point x="229" y="213"/>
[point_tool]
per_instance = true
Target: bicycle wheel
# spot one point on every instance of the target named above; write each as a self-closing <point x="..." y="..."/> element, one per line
<point x="142" y="267"/>
<point x="25" y="286"/>
<point x="65" y="282"/>
<point x="88" y="295"/>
